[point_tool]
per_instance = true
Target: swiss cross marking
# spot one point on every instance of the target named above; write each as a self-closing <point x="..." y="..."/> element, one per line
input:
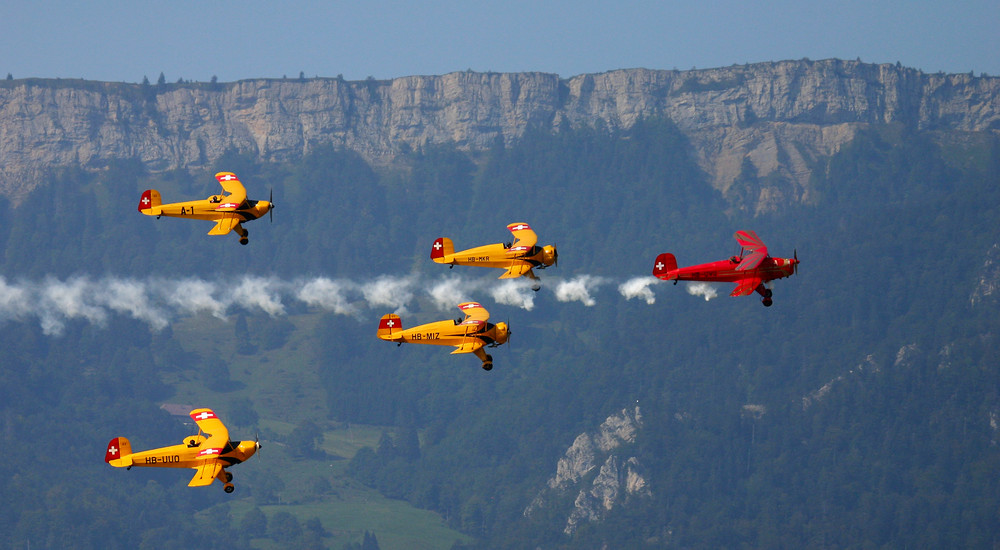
<point x="145" y="200"/>
<point x="390" y="323"/>
<point x="227" y="177"/>
<point x="520" y="227"/>
<point x="113" y="450"/>
<point x="437" y="246"/>
<point x="659" y="265"/>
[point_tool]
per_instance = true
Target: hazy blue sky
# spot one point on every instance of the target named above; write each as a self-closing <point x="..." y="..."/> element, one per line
<point x="194" y="40"/>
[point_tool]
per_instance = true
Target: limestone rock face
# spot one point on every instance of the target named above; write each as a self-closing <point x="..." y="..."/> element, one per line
<point x="617" y="479"/>
<point x="778" y="116"/>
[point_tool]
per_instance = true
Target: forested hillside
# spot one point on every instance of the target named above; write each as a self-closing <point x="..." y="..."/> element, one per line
<point x="860" y="410"/>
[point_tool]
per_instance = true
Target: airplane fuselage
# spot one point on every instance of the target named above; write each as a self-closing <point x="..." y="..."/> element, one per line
<point x="725" y="271"/>
<point x="208" y="209"/>
<point x="446" y="333"/>
<point x="187" y="456"/>
<point x="497" y="256"/>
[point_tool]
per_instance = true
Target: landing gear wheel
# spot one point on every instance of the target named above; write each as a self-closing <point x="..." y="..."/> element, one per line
<point x="229" y="477"/>
<point x="767" y="292"/>
<point x="244" y="240"/>
<point x="488" y="363"/>
<point x="229" y="488"/>
<point x="536" y="287"/>
<point x="767" y="302"/>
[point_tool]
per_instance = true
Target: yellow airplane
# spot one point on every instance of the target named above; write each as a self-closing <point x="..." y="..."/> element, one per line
<point x="468" y="334"/>
<point x="210" y="455"/>
<point x="517" y="258"/>
<point x="227" y="211"/>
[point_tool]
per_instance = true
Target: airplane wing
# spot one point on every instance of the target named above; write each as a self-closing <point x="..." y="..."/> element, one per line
<point x="516" y="270"/>
<point x="758" y="250"/>
<point x="746" y="286"/>
<point x="225" y="224"/>
<point x="206" y="474"/>
<point x="524" y="238"/>
<point x="218" y="434"/>
<point x="237" y="194"/>
<point x="475" y="313"/>
<point x="469" y="347"/>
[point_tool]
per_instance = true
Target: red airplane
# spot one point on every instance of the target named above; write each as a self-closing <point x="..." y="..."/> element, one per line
<point x="749" y="272"/>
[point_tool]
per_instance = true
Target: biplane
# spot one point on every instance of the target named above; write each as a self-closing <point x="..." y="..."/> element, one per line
<point x="209" y="452"/>
<point x="228" y="210"/>
<point x="517" y="258"/>
<point x="469" y="333"/>
<point x="751" y="270"/>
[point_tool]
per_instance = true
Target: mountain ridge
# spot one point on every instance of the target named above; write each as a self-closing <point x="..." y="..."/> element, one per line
<point x="774" y="119"/>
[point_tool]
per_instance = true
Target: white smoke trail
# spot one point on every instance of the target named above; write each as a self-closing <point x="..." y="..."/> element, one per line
<point x="705" y="290"/>
<point x="192" y="296"/>
<point x="514" y="292"/>
<point x="58" y="302"/>
<point x="639" y="288"/>
<point x="393" y="292"/>
<point x="132" y="297"/>
<point x="328" y="294"/>
<point x="157" y="302"/>
<point x="15" y="302"/>
<point x="448" y="293"/>
<point x="260" y="292"/>
<point x="578" y="289"/>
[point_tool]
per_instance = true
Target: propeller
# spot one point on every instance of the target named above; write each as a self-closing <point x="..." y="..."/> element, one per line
<point x="256" y="442"/>
<point x="270" y="200"/>
<point x="795" y="266"/>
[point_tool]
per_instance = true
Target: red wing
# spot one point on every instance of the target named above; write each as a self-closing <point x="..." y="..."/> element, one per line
<point x="748" y="240"/>
<point x="752" y="259"/>
<point x="758" y="250"/>
<point x="746" y="286"/>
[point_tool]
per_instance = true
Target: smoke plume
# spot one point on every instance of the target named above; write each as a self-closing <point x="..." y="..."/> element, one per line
<point x="53" y="303"/>
<point x="705" y="290"/>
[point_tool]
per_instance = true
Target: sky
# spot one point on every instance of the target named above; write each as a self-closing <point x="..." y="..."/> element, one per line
<point x="124" y="41"/>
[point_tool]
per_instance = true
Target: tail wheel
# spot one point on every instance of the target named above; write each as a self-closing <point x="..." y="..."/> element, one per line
<point x="229" y="488"/>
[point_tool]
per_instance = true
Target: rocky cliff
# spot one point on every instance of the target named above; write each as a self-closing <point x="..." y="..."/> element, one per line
<point x="778" y="116"/>
<point x="617" y="479"/>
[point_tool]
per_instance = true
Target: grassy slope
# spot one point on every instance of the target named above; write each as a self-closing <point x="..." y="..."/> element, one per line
<point x="283" y="386"/>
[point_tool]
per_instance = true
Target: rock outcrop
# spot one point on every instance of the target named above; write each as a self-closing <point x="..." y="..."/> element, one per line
<point x="617" y="479"/>
<point x="779" y="116"/>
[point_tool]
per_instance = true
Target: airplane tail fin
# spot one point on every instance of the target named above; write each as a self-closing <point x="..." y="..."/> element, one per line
<point x="119" y="453"/>
<point x="150" y="199"/>
<point x="389" y="326"/>
<point x="441" y="248"/>
<point x="664" y="264"/>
